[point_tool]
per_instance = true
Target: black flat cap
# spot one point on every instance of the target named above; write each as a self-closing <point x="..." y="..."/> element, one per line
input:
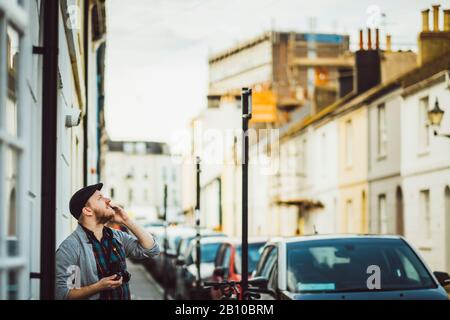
<point x="79" y="199"/>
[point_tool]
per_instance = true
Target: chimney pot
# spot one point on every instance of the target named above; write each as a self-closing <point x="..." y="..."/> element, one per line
<point x="425" y="20"/>
<point x="369" y="39"/>
<point x="361" y="46"/>
<point x="388" y="42"/>
<point x="436" y="17"/>
<point x="377" y="38"/>
<point x="447" y="20"/>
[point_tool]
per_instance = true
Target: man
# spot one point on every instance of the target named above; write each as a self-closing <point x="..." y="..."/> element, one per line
<point x="90" y="263"/>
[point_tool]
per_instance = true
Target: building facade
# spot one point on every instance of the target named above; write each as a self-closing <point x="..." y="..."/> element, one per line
<point x="45" y="148"/>
<point x="134" y="176"/>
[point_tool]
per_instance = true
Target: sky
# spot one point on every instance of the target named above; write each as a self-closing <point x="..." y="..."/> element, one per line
<point x="157" y="50"/>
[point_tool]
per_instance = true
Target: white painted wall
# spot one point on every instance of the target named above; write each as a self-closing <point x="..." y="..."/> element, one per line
<point x="150" y="172"/>
<point x="426" y="169"/>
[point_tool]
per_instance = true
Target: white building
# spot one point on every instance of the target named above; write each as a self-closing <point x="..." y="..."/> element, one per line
<point x="48" y="65"/>
<point x="425" y="168"/>
<point x="134" y="176"/>
<point x="385" y="182"/>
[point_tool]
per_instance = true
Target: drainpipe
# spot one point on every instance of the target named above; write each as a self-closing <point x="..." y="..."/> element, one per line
<point x="86" y="85"/>
<point x="49" y="149"/>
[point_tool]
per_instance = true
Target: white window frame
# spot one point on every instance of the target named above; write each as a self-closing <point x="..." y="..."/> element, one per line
<point x="381" y="131"/>
<point x="382" y="214"/>
<point x="424" y="126"/>
<point x="425" y="214"/>
<point x="16" y="15"/>
<point x="349" y="214"/>
<point x="348" y="143"/>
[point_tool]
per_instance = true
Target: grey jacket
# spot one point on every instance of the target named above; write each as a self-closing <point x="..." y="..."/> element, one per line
<point x="76" y="265"/>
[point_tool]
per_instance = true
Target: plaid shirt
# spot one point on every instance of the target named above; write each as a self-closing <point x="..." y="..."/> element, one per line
<point x="110" y="258"/>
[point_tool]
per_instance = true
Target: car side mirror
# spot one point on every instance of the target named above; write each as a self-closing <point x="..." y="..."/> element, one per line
<point x="442" y="277"/>
<point x="258" y="282"/>
<point x="221" y="272"/>
<point x="180" y="261"/>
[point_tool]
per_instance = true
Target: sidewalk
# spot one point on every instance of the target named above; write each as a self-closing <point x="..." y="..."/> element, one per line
<point x="142" y="284"/>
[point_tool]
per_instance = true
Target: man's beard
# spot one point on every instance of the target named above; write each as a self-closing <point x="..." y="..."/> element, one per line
<point x="104" y="217"/>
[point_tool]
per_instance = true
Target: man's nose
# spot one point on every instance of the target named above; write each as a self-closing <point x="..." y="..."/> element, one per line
<point x="107" y="200"/>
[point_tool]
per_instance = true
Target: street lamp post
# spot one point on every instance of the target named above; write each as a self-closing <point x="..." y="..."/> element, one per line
<point x="197" y="225"/>
<point x="165" y="240"/>
<point x="246" y="116"/>
<point x="435" y="116"/>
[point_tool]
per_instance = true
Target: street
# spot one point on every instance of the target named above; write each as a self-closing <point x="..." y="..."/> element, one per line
<point x="142" y="284"/>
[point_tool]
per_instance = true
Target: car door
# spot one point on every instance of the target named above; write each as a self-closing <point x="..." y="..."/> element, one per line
<point x="182" y="278"/>
<point x="266" y="269"/>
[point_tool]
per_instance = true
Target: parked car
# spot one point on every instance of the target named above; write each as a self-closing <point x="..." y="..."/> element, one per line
<point x="228" y="263"/>
<point x="186" y="272"/>
<point x="347" y="267"/>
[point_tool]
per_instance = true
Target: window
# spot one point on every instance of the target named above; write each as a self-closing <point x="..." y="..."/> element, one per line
<point x="425" y="214"/>
<point x="13" y="204"/>
<point x="268" y="258"/>
<point x="348" y="143"/>
<point x="349" y="216"/>
<point x="382" y="133"/>
<point x="323" y="155"/>
<point x="424" y="126"/>
<point x="304" y="163"/>
<point x="340" y="265"/>
<point x="382" y="214"/>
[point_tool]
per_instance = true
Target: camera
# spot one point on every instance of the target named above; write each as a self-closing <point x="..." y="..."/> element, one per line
<point x="120" y="272"/>
<point x="124" y="274"/>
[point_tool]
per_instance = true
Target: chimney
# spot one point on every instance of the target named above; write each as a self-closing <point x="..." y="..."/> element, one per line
<point x="447" y="20"/>
<point x="367" y="72"/>
<point x="388" y="43"/>
<point x="436" y="18"/>
<point x="377" y="39"/>
<point x="425" y="20"/>
<point x="433" y="44"/>
<point x="361" y="47"/>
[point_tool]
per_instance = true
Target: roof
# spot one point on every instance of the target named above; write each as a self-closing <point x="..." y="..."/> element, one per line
<point x="353" y="100"/>
<point x="254" y="239"/>
<point x="334" y="237"/>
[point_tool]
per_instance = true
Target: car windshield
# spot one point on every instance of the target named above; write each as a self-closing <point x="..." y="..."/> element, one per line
<point x="254" y="252"/>
<point x="208" y="252"/>
<point x="345" y="265"/>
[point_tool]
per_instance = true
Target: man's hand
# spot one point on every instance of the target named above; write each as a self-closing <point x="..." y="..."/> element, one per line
<point x="120" y="217"/>
<point x="108" y="283"/>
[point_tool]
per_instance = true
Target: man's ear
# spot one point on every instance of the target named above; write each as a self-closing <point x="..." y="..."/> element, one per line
<point x="87" y="211"/>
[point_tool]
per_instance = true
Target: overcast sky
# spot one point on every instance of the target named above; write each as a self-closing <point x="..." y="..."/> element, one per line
<point x="157" y="50"/>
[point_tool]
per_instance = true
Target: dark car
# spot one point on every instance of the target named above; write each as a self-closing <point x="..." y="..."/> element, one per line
<point x="228" y="263"/>
<point x="187" y="274"/>
<point x="347" y="267"/>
